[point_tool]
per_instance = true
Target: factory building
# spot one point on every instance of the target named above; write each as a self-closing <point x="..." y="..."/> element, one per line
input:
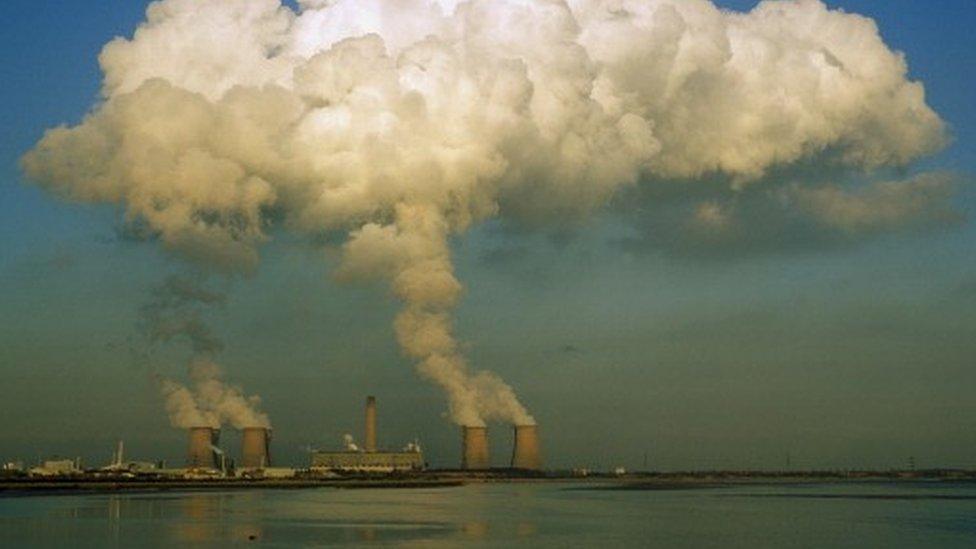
<point x="121" y="466"/>
<point x="368" y="462"/>
<point x="13" y="467"/>
<point x="57" y="467"/>
<point x="369" y="459"/>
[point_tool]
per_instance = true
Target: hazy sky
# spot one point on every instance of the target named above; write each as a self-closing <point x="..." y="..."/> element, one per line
<point x="621" y="337"/>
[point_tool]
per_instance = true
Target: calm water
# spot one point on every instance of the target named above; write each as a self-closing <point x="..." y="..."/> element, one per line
<point x="508" y="515"/>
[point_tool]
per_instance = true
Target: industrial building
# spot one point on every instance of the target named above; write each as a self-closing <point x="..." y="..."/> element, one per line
<point x="57" y="467"/>
<point x="367" y="462"/>
<point x="368" y="459"/>
<point x="206" y="460"/>
<point x="13" y="467"/>
<point x="121" y="466"/>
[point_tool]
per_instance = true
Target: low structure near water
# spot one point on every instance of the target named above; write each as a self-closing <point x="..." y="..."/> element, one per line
<point x="368" y="460"/>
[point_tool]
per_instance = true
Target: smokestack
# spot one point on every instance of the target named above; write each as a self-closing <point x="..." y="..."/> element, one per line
<point x="525" y="453"/>
<point x="370" y="424"/>
<point x="475" y="448"/>
<point x="202" y="442"/>
<point x="255" y="448"/>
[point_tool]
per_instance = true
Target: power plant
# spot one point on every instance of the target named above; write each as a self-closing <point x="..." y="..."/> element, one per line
<point x="206" y="460"/>
<point x="256" y="450"/>
<point x="369" y="459"/>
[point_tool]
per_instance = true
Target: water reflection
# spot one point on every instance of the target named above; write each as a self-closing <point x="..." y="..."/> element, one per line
<point x="475" y="530"/>
<point x="208" y="518"/>
<point x="526" y="530"/>
<point x="194" y="526"/>
<point x="314" y="517"/>
<point x="367" y="534"/>
<point x="504" y="515"/>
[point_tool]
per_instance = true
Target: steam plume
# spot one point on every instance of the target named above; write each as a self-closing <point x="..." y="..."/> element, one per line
<point x="413" y="254"/>
<point x="226" y="402"/>
<point x="176" y="311"/>
<point x="405" y="122"/>
<point x="182" y="407"/>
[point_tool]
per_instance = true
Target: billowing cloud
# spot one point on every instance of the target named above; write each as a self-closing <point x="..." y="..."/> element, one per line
<point x="403" y="123"/>
<point x="183" y="409"/>
<point x="209" y="401"/>
<point x="226" y="402"/>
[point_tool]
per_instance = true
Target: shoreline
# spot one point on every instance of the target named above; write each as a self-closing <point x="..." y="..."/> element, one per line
<point x="99" y="486"/>
<point x="650" y="482"/>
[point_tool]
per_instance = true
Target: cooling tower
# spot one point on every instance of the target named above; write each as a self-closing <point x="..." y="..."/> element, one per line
<point x="255" y="448"/>
<point x="525" y="453"/>
<point x="202" y="442"/>
<point x="474" y="454"/>
<point x="370" y="424"/>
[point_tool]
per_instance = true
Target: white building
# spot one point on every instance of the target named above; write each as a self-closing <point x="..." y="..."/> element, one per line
<point x="57" y="467"/>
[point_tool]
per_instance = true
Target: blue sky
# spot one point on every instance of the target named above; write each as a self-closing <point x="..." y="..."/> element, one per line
<point x="845" y="357"/>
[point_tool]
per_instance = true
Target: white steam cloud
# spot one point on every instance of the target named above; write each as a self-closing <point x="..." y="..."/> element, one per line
<point x="182" y="407"/>
<point x="404" y="122"/>
<point x="211" y="402"/>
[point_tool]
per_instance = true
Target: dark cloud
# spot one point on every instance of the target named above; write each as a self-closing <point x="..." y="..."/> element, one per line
<point x="571" y="349"/>
<point x="127" y="232"/>
<point x="37" y="265"/>
<point x="712" y="220"/>
<point x="810" y="206"/>
<point x="504" y="254"/>
<point x="176" y="310"/>
<point x="181" y="290"/>
<point x="967" y="288"/>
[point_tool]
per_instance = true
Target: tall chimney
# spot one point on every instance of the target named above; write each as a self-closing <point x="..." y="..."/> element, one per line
<point x="202" y="442"/>
<point x="474" y="453"/>
<point x="255" y="442"/>
<point x="525" y="453"/>
<point x="370" y="424"/>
